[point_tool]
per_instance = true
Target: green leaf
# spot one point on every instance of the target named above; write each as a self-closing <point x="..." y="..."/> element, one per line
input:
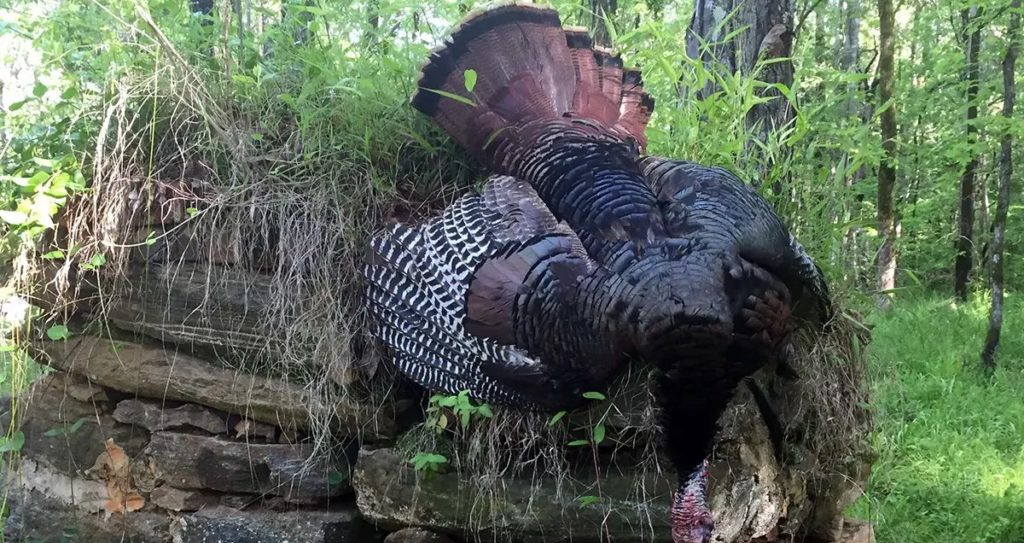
<point x="151" y="239"/>
<point x="96" y="261"/>
<point x="490" y="138"/>
<point x="65" y="430"/>
<point x="58" y="332"/>
<point x="579" y="443"/>
<point x="470" y="76"/>
<point x="599" y="432"/>
<point x="38" y="178"/>
<point x="556" y="417"/>
<point x="428" y="461"/>
<point x="336" y="478"/>
<point x="456" y="97"/>
<point x="191" y="211"/>
<point x="256" y="136"/>
<point x="485" y="411"/>
<point x="58" y="185"/>
<point x="39" y="89"/>
<point x="584" y="501"/>
<point x="69" y="93"/>
<point x="12" y="443"/>
<point x="594" y="396"/>
<point x="54" y="255"/>
<point x="287" y="98"/>
<point x="421" y="140"/>
<point x="13" y="217"/>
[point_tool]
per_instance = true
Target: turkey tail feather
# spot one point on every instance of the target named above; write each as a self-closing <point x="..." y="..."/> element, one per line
<point x="527" y="68"/>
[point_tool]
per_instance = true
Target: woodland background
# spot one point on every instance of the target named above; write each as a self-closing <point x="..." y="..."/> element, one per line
<point x="883" y="132"/>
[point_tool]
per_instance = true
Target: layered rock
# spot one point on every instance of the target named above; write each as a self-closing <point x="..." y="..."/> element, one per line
<point x="292" y="471"/>
<point x="139" y="442"/>
<point x="163" y="373"/>
<point x="753" y="497"/>
<point x="100" y="466"/>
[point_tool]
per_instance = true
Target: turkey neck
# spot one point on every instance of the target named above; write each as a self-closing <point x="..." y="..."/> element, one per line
<point x="690" y="413"/>
<point x="587" y="175"/>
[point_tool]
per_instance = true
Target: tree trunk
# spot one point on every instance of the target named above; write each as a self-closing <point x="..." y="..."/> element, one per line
<point x="995" y="320"/>
<point x="887" y="168"/>
<point x="201" y="6"/>
<point x="848" y="57"/>
<point x="965" y="241"/>
<point x="851" y="43"/>
<point x="602" y="11"/>
<point x="982" y="218"/>
<point x="762" y="30"/>
<point x="236" y="8"/>
<point x="298" y="20"/>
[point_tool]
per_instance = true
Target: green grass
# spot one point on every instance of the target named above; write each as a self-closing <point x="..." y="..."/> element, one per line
<point x="950" y="440"/>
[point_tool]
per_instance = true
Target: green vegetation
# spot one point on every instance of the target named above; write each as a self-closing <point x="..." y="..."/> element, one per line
<point x="443" y="409"/>
<point x="950" y="439"/>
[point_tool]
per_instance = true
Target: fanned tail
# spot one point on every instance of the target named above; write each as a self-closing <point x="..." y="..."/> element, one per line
<point x="527" y="68"/>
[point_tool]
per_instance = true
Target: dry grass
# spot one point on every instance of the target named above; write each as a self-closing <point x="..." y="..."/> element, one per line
<point x="250" y="185"/>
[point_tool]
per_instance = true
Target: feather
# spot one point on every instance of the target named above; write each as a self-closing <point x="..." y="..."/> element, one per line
<point x="453" y="297"/>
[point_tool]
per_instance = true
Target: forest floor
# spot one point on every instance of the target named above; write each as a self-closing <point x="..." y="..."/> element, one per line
<point x="950" y="440"/>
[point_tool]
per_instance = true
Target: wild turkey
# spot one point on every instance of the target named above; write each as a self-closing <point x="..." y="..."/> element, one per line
<point x="582" y="255"/>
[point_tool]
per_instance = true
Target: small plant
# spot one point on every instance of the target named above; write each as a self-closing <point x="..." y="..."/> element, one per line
<point x="12" y="443"/>
<point x="97" y="260"/>
<point x="336" y="477"/>
<point x="58" y="332"/>
<point x="557" y="417"/>
<point x="63" y="431"/>
<point x="443" y="407"/>
<point x="429" y="464"/>
<point x="597" y="431"/>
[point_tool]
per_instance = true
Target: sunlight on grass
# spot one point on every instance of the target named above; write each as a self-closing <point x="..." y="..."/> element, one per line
<point x="950" y="441"/>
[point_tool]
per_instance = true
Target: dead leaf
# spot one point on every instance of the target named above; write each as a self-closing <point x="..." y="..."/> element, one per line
<point x="242" y="428"/>
<point x="114" y="468"/>
<point x="134" y="502"/>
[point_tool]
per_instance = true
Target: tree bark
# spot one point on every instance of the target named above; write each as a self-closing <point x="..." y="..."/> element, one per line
<point x="851" y="43"/>
<point x="965" y="240"/>
<point x="887" y="168"/>
<point x="762" y="31"/>
<point x="201" y="6"/>
<point x="298" y="20"/>
<point x="600" y="12"/>
<point x="848" y="57"/>
<point x="995" y="320"/>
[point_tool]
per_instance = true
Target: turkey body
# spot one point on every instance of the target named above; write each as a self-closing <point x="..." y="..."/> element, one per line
<point x="582" y="254"/>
